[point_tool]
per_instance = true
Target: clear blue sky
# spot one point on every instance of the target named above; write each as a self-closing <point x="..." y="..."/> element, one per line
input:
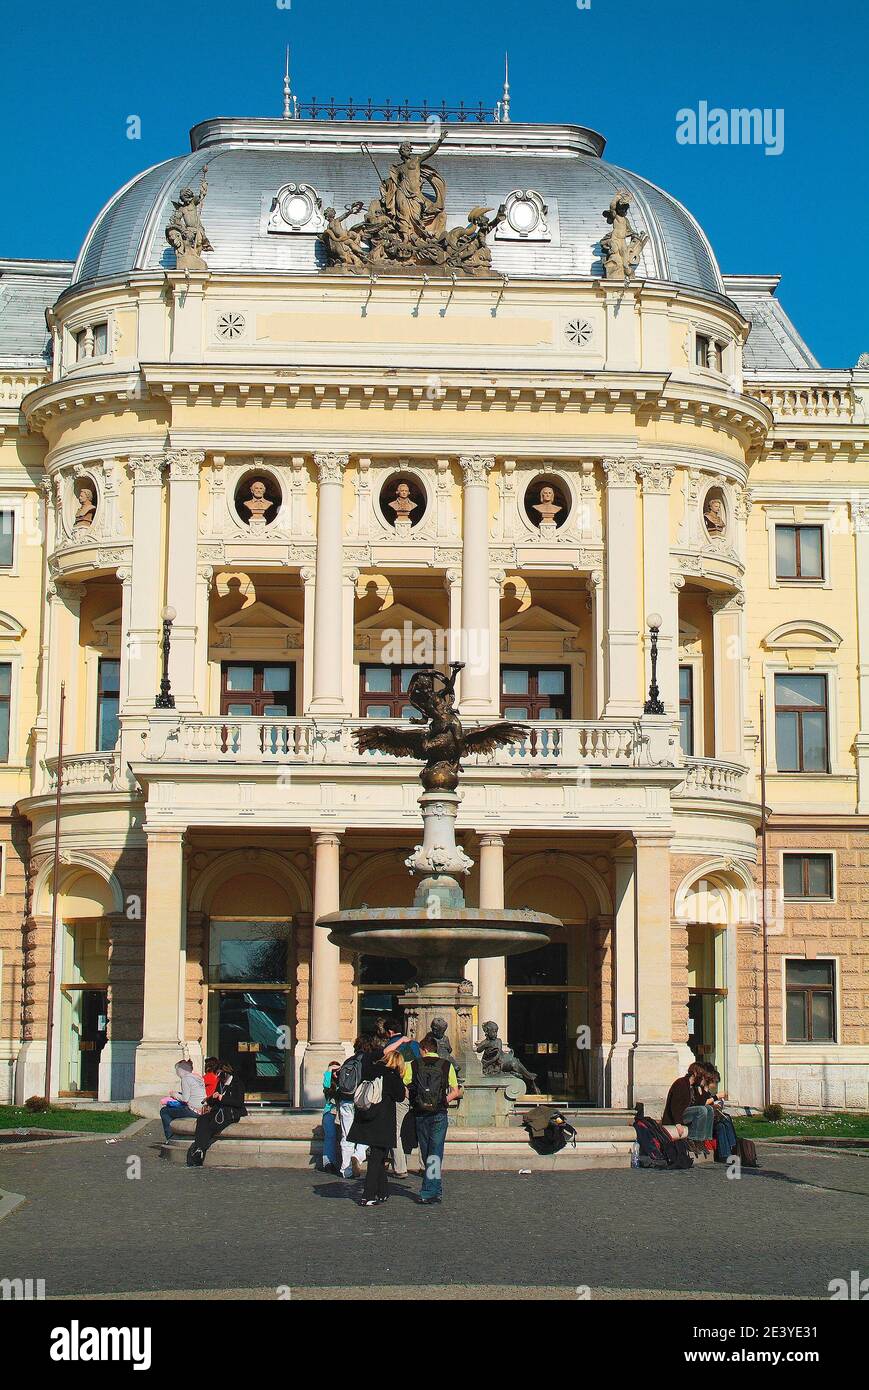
<point x="74" y="72"/>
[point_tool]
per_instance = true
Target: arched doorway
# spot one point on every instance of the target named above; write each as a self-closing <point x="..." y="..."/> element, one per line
<point x="85" y="904"/>
<point x="549" y="989"/>
<point x="249" y="963"/>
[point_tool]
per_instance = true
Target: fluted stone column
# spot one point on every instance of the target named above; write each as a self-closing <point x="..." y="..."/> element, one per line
<point x="493" y="971"/>
<point x="623" y="616"/>
<point x="728" y="648"/>
<point x="327" y="696"/>
<point x="140" y="649"/>
<point x="655" y="479"/>
<point x="324" y="1043"/>
<point x="165" y="921"/>
<point x="181" y="577"/>
<point x="476" y="698"/>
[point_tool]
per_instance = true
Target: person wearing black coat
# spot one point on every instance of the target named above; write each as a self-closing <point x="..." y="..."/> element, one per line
<point x="223" y="1108"/>
<point x="376" y="1127"/>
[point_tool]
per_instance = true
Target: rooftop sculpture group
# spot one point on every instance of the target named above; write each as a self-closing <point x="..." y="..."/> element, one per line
<point x="405" y="226"/>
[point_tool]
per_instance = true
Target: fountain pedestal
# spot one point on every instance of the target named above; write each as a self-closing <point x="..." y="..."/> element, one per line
<point x="439" y="934"/>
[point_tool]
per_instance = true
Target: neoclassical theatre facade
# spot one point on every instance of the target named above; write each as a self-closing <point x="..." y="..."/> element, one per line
<point x="514" y="415"/>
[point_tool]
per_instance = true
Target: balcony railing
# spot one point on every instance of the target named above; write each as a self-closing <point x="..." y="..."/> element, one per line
<point x="86" y="772"/>
<point x="712" y="777"/>
<point x="218" y="741"/>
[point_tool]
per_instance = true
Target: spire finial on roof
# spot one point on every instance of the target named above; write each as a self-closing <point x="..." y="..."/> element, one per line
<point x="505" y="100"/>
<point x="291" y="104"/>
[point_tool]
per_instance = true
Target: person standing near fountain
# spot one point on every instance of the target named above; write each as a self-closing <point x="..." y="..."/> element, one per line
<point x="432" y="1083"/>
<point x="375" y="1126"/>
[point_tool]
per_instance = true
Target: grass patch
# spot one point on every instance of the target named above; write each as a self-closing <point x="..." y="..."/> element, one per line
<point x="85" y="1121"/>
<point x="830" y="1125"/>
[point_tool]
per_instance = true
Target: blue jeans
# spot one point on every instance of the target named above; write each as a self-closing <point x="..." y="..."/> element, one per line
<point x="431" y="1134"/>
<point x="175" y="1111"/>
<point x="331" y="1157"/>
<point x="699" y="1120"/>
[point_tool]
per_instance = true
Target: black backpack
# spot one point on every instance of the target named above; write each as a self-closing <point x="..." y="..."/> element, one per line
<point x="548" y="1130"/>
<point x="429" y="1084"/>
<point x="349" y="1077"/>
<point x="657" y="1149"/>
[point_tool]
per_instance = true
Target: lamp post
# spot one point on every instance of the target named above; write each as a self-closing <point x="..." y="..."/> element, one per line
<point x="654" y="704"/>
<point x="165" y="699"/>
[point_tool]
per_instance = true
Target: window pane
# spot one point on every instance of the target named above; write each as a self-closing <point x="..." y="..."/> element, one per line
<point x="803" y="692"/>
<point x="786" y="552"/>
<point x="814" y="742"/>
<point x="378" y="712"/>
<point x="811" y="554"/>
<point x="378" y="678"/>
<point x="686" y="731"/>
<point x="701" y="350"/>
<point x="549" y="714"/>
<point x="547" y="965"/>
<point x="514" y="681"/>
<point x="797" y="1030"/>
<point x="810" y="972"/>
<point x="239" y="709"/>
<point x="5" y="678"/>
<point x="786" y="754"/>
<point x="109" y="677"/>
<point x="239" y="677"/>
<point x="820" y="876"/>
<point x="107" y="733"/>
<point x="275" y="678"/>
<point x="686" y="683"/>
<point x="408" y="712"/>
<point x="515" y="712"/>
<point x="7" y="539"/>
<point x="550" y="683"/>
<point x="793" y="876"/>
<point x="275" y="712"/>
<point x="406" y="673"/>
<point x="101" y="339"/>
<point x="822" y="1017"/>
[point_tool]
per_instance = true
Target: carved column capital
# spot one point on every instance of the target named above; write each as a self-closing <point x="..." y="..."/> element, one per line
<point x="620" y="472"/>
<point x="330" y="467"/>
<point x="146" y="469"/>
<point x="184" y="464"/>
<point x="475" y="468"/>
<point x="655" y="478"/>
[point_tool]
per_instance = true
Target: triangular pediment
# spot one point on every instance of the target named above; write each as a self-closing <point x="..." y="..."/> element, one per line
<point x="537" y="619"/>
<point x="395" y="617"/>
<point x="261" y="616"/>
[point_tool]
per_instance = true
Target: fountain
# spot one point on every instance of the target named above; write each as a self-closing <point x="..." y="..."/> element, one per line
<point x="439" y="933"/>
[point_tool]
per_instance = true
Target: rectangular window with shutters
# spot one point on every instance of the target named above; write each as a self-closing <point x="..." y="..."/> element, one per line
<point x="807" y="876"/>
<point x="799" y="552"/>
<point x="108" y="699"/>
<point x="801" y="723"/>
<point x="686" y="710"/>
<point x="810" y="1000"/>
<point x="5" y="708"/>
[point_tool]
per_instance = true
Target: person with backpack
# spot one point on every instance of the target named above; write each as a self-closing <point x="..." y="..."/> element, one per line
<point x="331" y="1161"/>
<point x="688" y="1103"/>
<point x="432" y="1084"/>
<point x="349" y="1081"/>
<point x="381" y="1089"/>
<point x="395" y="1040"/>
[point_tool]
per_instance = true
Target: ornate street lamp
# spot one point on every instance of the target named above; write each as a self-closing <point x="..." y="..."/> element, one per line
<point x="165" y="699"/>
<point x="654" y="704"/>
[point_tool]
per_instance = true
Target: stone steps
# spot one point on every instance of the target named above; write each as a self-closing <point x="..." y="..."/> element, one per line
<point x="287" y="1139"/>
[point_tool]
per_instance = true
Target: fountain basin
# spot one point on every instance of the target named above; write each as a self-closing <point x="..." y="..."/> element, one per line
<point x="439" y="947"/>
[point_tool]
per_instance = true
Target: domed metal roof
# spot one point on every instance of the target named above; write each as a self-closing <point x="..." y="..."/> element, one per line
<point x="249" y="161"/>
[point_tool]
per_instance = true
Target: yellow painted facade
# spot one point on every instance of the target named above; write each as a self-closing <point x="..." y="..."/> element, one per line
<point x="191" y="835"/>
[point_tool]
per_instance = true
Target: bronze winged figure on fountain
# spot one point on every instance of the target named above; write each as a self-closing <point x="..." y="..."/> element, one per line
<point x="442" y="742"/>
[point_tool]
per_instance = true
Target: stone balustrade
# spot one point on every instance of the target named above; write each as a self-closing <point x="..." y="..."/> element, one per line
<point x="712" y="777"/>
<point x="806" y="402"/>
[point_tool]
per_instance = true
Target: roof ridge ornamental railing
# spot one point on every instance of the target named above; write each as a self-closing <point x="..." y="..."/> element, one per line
<point x="388" y="110"/>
